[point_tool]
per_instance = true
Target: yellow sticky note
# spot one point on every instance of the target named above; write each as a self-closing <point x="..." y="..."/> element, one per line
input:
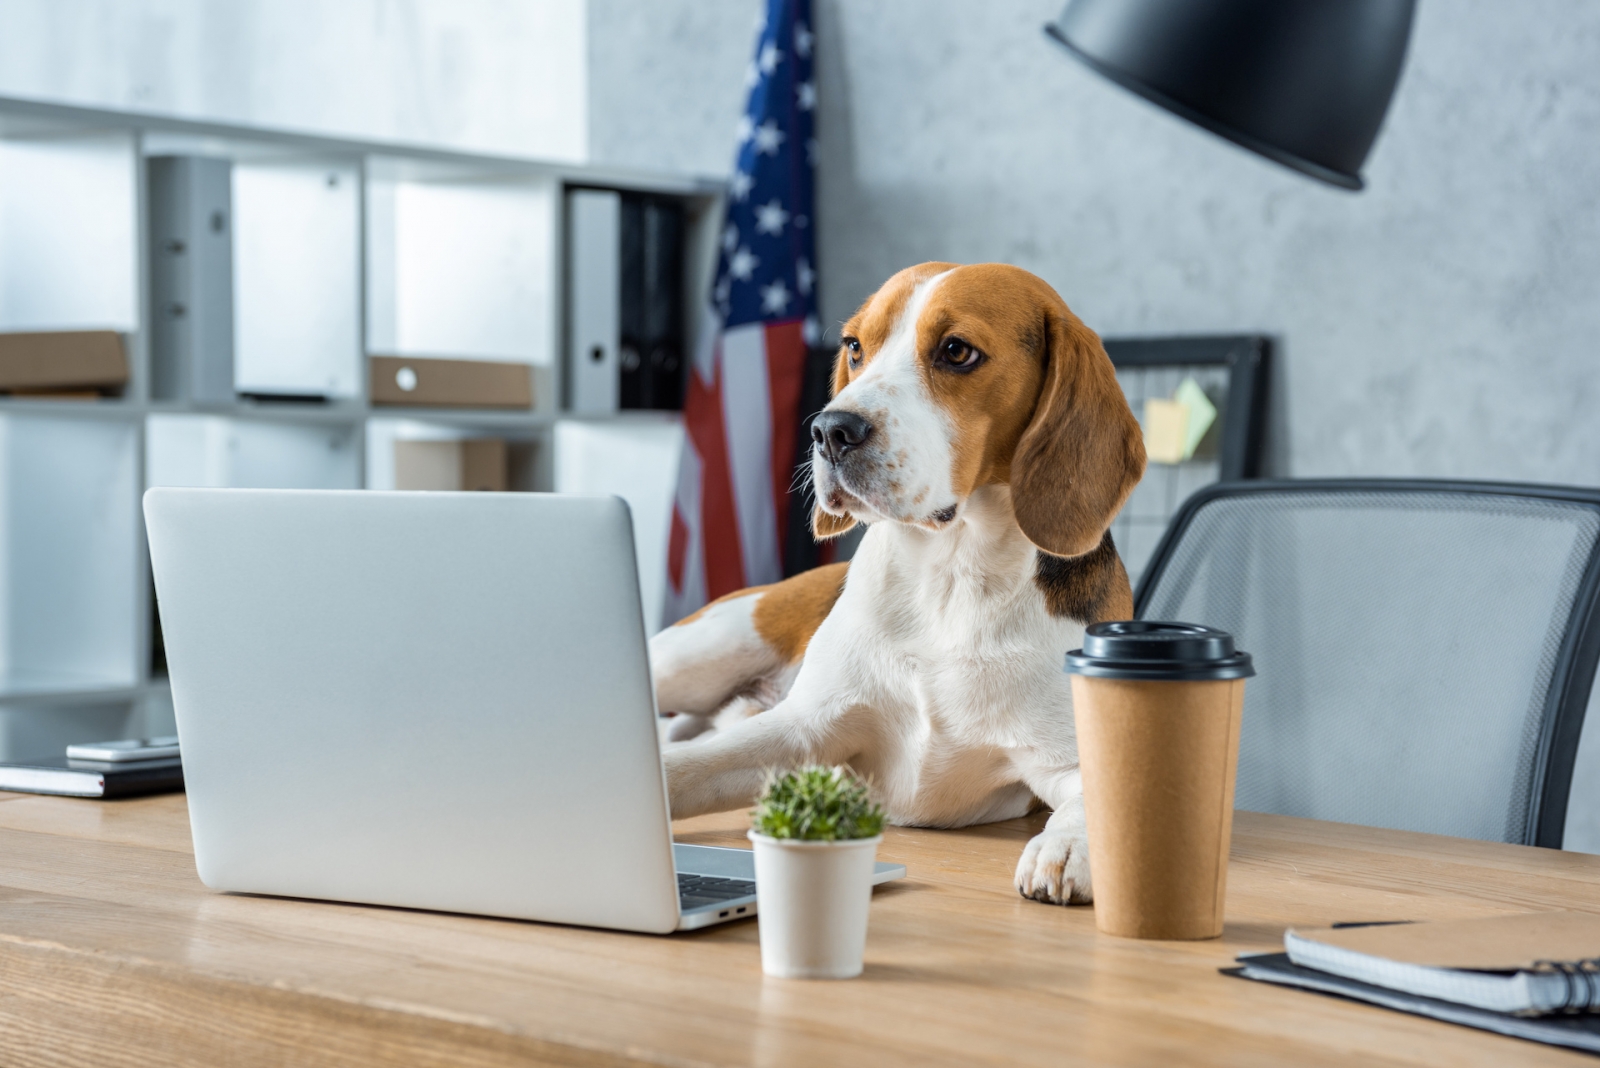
<point x="1166" y="430"/>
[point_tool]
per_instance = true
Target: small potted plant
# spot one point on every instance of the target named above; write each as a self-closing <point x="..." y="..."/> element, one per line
<point x="816" y="835"/>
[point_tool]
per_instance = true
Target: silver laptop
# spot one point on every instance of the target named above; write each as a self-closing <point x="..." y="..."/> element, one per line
<point x="431" y="700"/>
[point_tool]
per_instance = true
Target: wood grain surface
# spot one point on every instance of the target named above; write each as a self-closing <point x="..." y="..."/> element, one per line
<point x="112" y="953"/>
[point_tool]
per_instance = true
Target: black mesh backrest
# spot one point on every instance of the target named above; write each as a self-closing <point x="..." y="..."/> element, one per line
<point x="1415" y="644"/>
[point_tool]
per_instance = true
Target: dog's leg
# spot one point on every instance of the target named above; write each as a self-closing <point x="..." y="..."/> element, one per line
<point x="739" y="654"/>
<point x="730" y="768"/>
<point x="1055" y="864"/>
<point x="704" y="662"/>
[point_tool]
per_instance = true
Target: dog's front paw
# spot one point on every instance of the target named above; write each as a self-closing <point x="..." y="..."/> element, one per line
<point x="1055" y="868"/>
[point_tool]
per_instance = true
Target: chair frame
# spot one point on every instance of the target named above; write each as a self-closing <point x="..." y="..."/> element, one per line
<point x="1572" y="677"/>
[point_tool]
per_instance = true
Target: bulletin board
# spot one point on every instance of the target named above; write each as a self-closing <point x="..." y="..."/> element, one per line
<point x="1232" y="372"/>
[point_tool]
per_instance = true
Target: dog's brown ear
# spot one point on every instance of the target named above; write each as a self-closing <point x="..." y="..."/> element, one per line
<point x="823" y="525"/>
<point x="1083" y="452"/>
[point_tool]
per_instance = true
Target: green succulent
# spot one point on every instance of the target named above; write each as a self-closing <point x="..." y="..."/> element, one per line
<point x="817" y="804"/>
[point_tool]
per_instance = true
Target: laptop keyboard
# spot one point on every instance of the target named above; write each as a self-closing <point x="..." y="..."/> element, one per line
<point x="698" y="891"/>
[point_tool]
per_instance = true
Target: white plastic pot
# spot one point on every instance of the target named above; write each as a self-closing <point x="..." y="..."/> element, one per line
<point x="814" y="898"/>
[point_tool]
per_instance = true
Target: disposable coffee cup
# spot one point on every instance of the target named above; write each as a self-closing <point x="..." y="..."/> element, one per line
<point x="1157" y="708"/>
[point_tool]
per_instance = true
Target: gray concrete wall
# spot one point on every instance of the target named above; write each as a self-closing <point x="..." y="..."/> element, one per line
<point x="1445" y="322"/>
<point x="667" y="81"/>
<point x="490" y="75"/>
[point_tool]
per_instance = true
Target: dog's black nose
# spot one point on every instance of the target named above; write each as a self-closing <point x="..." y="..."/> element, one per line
<point x="839" y="432"/>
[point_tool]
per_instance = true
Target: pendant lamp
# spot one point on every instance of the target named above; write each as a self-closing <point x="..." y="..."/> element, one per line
<point x="1303" y="82"/>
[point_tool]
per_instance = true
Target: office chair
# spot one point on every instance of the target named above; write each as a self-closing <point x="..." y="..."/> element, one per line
<point x="1425" y="649"/>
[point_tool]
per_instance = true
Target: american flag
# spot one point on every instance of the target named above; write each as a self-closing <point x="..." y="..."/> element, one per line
<point x="741" y="409"/>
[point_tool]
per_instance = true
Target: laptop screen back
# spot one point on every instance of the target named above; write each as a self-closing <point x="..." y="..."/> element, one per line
<point x="432" y="700"/>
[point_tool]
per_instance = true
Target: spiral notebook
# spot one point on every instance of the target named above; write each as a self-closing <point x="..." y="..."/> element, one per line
<point x="1574" y="1032"/>
<point x="1532" y="963"/>
<point x="1530" y="975"/>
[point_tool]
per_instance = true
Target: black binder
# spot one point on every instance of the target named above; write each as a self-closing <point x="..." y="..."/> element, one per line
<point x="92" y="778"/>
<point x="651" y="358"/>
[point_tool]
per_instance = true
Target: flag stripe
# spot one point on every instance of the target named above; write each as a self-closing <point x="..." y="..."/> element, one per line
<point x="719" y="530"/>
<point x="748" y="422"/>
<point x="741" y="408"/>
<point x="786" y="370"/>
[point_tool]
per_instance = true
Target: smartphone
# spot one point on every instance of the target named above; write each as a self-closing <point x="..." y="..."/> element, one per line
<point x="126" y="749"/>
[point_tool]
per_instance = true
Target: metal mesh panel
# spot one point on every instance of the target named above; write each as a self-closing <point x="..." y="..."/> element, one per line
<point x="1404" y="643"/>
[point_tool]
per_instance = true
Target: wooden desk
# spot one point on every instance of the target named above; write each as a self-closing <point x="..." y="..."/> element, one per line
<point x="112" y="953"/>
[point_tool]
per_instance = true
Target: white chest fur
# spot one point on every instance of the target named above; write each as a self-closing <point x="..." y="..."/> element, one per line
<point x="942" y="657"/>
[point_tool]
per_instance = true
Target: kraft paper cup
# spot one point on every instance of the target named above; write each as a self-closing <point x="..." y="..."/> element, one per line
<point x="1158" y="708"/>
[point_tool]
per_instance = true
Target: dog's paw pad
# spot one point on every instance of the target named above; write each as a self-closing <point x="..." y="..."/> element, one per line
<point x="1055" y="869"/>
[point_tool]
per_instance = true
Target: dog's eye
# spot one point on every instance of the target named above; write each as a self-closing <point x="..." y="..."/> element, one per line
<point x="957" y="355"/>
<point x="853" y="347"/>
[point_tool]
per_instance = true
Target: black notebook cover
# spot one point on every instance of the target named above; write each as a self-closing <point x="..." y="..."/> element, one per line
<point x="1575" y="1032"/>
<point x="92" y="778"/>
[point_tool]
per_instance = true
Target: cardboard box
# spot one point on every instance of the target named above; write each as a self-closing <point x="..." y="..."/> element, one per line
<point x="451" y="465"/>
<point x="62" y="361"/>
<point x="401" y="381"/>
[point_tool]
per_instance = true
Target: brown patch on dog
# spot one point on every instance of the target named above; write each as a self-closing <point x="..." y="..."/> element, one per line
<point x="748" y="591"/>
<point x="1092" y="588"/>
<point x="996" y="309"/>
<point x="790" y="611"/>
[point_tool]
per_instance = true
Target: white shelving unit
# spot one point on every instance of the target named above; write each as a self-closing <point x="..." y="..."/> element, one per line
<point x="341" y="249"/>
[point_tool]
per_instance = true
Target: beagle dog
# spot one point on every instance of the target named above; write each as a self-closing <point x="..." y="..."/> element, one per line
<point x="977" y="427"/>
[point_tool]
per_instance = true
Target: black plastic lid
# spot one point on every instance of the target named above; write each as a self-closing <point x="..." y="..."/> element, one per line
<point x="1160" y="652"/>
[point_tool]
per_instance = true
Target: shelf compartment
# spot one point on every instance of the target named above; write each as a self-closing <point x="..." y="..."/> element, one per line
<point x="68" y="232"/>
<point x="71" y="559"/>
<point x="258" y="453"/>
<point x="464" y="269"/>
<point x="636" y="460"/>
<point x="526" y="454"/>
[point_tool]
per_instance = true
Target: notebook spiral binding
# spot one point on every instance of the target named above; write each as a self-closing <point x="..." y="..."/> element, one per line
<point x="1582" y="982"/>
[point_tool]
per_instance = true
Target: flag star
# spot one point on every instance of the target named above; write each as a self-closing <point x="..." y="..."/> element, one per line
<point x="768" y="137"/>
<point x="723" y="290"/>
<point x="770" y="57"/>
<point x="807" y="94"/>
<point x="739" y="185"/>
<point x="752" y="75"/>
<point x="776" y="297"/>
<point x="803" y="38"/>
<point x="770" y="218"/>
<point x="746" y="129"/>
<point x="730" y="238"/>
<point x="811" y="330"/>
<point x="804" y="277"/>
<point x="743" y="264"/>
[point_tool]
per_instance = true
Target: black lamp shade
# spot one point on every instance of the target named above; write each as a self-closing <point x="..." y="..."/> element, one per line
<point x="1302" y="82"/>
